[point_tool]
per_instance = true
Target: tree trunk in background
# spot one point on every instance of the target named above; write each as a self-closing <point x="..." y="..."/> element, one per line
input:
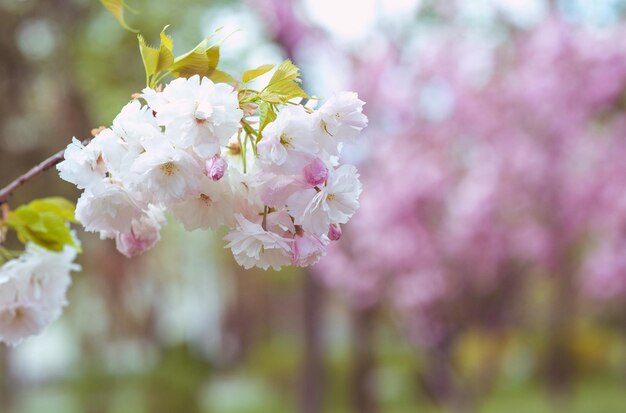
<point x="7" y="390"/>
<point x="437" y="376"/>
<point x="560" y="366"/>
<point x="312" y="360"/>
<point x="364" y="397"/>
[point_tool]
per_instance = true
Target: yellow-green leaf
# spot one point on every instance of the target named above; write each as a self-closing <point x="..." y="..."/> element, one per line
<point x="202" y="61"/>
<point x="284" y="85"/>
<point x="149" y="56"/>
<point x="166" y="55"/>
<point x="193" y="63"/>
<point x="213" y="57"/>
<point x="166" y="41"/>
<point x="219" y="76"/>
<point x="267" y="114"/>
<point x="117" y="8"/>
<point x="282" y="92"/>
<point x="58" y="205"/>
<point x="44" y="222"/>
<point x="156" y="60"/>
<point x="286" y="71"/>
<point x="251" y="74"/>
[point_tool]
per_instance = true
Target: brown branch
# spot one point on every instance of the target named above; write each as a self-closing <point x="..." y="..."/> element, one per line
<point x="7" y="191"/>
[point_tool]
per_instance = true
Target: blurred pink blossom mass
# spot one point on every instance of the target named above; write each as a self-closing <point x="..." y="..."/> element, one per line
<point x="473" y="185"/>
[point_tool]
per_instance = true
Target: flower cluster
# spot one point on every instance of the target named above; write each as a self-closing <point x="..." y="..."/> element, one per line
<point x="32" y="291"/>
<point x="191" y="150"/>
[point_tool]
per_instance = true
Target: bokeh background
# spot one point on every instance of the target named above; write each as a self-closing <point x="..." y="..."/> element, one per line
<point x="484" y="272"/>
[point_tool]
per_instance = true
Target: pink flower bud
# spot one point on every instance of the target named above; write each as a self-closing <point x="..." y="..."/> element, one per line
<point x="334" y="232"/>
<point x="316" y="173"/>
<point x="215" y="167"/>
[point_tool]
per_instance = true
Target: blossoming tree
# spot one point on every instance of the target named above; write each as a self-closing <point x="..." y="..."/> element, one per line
<point x="210" y="150"/>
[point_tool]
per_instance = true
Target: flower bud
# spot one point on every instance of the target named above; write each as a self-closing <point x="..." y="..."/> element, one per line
<point x="215" y="167"/>
<point x="316" y="173"/>
<point x="334" y="232"/>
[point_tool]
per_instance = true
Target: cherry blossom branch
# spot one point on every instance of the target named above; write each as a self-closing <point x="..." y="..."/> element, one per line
<point x="7" y="191"/>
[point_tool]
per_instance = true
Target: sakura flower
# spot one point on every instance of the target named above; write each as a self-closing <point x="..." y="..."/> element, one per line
<point x="334" y="203"/>
<point x="246" y="197"/>
<point x="197" y="113"/>
<point x="44" y="276"/>
<point x="82" y="164"/>
<point x="135" y="123"/>
<point x="144" y="233"/>
<point x="107" y="208"/>
<point x="20" y="320"/>
<point x="169" y="174"/>
<point x="307" y="249"/>
<point x="291" y="131"/>
<point x="276" y="188"/>
<point x="339" y="120"/>
<point x="33" y="291"/>
<point x="211" y="207"/>
<point x="278" y="193"/>
<point x="254" y="246"/>
<point x="115" y="152"/>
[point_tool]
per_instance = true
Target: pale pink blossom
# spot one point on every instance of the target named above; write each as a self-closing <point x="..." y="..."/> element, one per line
<point x="307" y="249"/>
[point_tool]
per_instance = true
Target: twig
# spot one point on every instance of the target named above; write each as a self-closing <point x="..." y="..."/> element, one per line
<point x="7" y="191"/>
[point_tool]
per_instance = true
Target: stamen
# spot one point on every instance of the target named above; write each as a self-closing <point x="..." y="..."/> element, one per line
<point x="169" y="168"/>
<point x="286" y="140"/>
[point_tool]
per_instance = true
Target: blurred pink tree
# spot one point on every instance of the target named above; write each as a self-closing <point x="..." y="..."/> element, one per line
<point x="494" y="161"/>
<point x="480" y="179"/>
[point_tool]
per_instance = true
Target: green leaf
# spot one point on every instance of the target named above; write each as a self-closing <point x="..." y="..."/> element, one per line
<point x="156" y="61"/>
<point x="251" y="74"/>
<point x="202" y="61"/>
<point x="59" y="206"/>
<point x="267" y="114"/>
<point x="166" y="41"/>
<point x="149" y="56"/>
<point x="219" y="76"/>
<point x="213" y="56"/>
<point x="286" y="71"/>
<point x="166" y="55"/>
<point x="282" y="92"/>
<point x="284" y="85"/>
<point x="44" y="222"/>
<point x="116" y="8"/>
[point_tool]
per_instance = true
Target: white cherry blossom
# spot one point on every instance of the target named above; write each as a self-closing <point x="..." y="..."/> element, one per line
<point x="253" y="246"/>
<point x="33" y="291"/>
<point x="339" y="120"/>
<point x="334" y="203"/>
<point x="187" y="152"/>
<point x="211" y="207"/>
<point x="197" y="113"/>
<point x="290" y="132"/>
<point x="107" y="208"/>
<point x="168" y="173"/>
<point x="82" y="165"/>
